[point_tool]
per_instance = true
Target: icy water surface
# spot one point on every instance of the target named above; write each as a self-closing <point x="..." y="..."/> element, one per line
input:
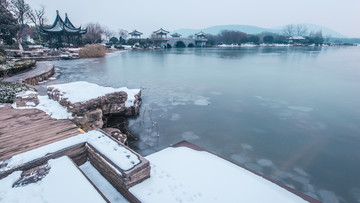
<point x="290" y="113"/>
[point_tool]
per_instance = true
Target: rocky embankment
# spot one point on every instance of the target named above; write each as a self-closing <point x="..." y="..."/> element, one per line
<point x="90" y="105"/>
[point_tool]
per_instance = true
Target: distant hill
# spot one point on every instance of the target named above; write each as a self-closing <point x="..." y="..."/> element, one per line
<point x="214" y="30"/>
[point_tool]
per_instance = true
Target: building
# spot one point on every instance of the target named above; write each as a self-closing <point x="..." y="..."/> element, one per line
<point x="296" y="39"/>
<point x="63" y="31"/>
<point x="200" y="40"/>
<point x="161" y="33"/>
<point x="135" y="34"/>
<point x="176" y="35"/>
<point x="200" y="35"/>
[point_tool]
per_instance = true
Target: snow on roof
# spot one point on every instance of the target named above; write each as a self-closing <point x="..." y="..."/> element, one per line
<point x="297" y="37"/>
<point x="185" y="175"/>
<point x="83" y="91"/>
<point x="117" y="153"/>
<point x="64" y="183"/>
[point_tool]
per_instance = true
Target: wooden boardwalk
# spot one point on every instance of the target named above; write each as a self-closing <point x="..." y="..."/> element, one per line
<point x="22" y="130"/>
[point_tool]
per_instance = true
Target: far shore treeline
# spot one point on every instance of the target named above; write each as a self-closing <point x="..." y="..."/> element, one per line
<point x="19" y="28"/>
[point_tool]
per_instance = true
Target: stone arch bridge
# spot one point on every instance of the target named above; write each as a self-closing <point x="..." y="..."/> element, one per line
<point x="180" y="42"/>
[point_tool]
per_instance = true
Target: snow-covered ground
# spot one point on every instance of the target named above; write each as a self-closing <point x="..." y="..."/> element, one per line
<point x="83" y="91"/>
<point x="118" y="154"/>
<point x="185" y="175"/>
<point x="63" y="183"/>
<point x="49" y="106"/>
<point x="102" y="184"/>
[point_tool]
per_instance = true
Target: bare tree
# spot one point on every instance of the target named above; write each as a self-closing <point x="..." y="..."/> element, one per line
<point x="123" y="33"/>
<point x="107" y="33"/>
<point x="289" y="30"/>
<point x="20" y="9"/>
<point x="40" y="15"/>
<point x="301" y="30"/>
<point x="5" y="4"/>
<point x="94" y="33"/>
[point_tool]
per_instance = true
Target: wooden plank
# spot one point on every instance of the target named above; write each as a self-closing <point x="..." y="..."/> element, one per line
<point x="22" y="130"/>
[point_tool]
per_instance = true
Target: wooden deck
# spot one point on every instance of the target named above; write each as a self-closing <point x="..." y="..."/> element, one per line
<point x="27" y="129"/>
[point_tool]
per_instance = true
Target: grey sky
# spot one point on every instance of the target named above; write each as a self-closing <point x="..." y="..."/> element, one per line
<point x="150" y="15"/>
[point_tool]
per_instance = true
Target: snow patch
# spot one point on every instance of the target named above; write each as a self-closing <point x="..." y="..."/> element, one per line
<point x="101" y="183"/>
<point x="189" y="135"/>
<point x="202" y="101"/>
<point x="197" y="180"/>
<point x="49" y="106"/>
<point x="240" y="158"/>
<point x="175" y="117"/>
<point x="83" y="91"/>
<point x="265" y="162"/>
<point x="64" y="183"/>
<point x="114" y="151"/>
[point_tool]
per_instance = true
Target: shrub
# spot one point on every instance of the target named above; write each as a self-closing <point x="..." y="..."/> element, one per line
<point x="92" y="51"/>
<point x="8" y="91"/>
<point x="14" y="67"/>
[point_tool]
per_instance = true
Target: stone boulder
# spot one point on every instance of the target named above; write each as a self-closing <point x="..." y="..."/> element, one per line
<point x="26" y="99"/>
<point x="88" y="102"/>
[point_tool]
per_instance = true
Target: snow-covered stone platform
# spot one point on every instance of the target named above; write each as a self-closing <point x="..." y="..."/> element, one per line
<point x="86" y="104"/>
<point x="118" y="164"/>
<point x="57" y="181"/>
<point x="183" y="174"/>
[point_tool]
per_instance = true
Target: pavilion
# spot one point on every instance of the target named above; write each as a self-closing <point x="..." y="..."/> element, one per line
<point x="200" y="35"/>
<point x="135" y="34"/>
<point x="161" y="33"/>
<point x="176" y="35"/>
<point x="63" y="31"/>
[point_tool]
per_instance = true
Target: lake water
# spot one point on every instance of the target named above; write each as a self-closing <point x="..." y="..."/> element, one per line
<point x="290" y="113"/>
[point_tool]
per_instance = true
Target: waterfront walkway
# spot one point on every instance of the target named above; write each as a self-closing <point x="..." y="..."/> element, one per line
<point x="41" y="72"/>
<point x="22" y="130"/>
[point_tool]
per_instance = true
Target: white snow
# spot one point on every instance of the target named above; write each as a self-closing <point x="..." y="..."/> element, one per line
<point x="102" y="184"/>
<point x="202" y="101"/>
<point x="265" y="162"/>
<point x="64" y="183"/>
<point x="53" y="108"/>
<point x="83" y="91"/>
<point x="185" y="175"/>
<point x="118" y="154"/>
<point x="49" y="106"/>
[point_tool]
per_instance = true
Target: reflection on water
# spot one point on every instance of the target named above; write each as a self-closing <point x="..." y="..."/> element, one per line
<point x="291" y="113"/>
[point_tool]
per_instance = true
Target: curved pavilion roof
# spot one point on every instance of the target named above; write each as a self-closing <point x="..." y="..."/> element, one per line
<point x="161" y="32"/>
<point x="62" y="27"/>
<point x="135" y="32"/>
<point x="200" y="34"/>
<point x="176" y="35"/>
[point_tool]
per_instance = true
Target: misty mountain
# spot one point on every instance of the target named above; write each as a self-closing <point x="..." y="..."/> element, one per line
<point x="214" y="30"/>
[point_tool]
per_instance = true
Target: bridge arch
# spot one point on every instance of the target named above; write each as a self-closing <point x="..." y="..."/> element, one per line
<point x="191" y="45"/>
<point x="180" y="44"/>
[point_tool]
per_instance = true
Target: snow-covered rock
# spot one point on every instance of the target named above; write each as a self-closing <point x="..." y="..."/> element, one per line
<point x="89" y="102"/>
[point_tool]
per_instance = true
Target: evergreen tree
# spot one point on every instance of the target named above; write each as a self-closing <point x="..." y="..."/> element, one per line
<point x="8" y="26"/>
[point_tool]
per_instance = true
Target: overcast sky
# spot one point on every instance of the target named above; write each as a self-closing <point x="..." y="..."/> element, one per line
<point x="149" y="15"/>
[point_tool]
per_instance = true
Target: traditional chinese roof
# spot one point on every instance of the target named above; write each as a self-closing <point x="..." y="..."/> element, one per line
<point x="176" y="35"/>
<point x="62" y="27"/>
<point x="161" y="32"/>
<point x="135" y="32"/>
<point x="200" y="34"/>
